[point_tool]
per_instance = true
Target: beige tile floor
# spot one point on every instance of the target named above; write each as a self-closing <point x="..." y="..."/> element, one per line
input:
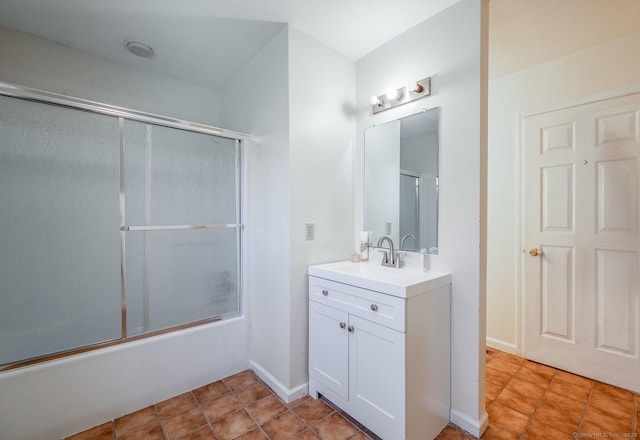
<point x="525" y="400"/>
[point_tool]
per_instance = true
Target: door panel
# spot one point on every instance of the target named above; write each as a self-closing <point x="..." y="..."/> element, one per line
<point x="617" y="207"/>
<point x="582" y="300"/>
<point x="558" y="289"/>
<point x="617" y="284"/>
<point x="329" y="348"/>
<point x="557" y="198"/>
<point x="377" y="372"/>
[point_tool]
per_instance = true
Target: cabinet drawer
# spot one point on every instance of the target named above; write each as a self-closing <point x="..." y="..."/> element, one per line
<point x="373" y="306"/>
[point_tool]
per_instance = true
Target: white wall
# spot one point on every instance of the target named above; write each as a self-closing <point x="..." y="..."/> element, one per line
<point x="31" y="61"/>
<point x="295" y="97"/>
<point x="597" y="71"/>
<point x="446" y="47"/>
<point x="256" y="101"/>
<point x="322" y="86"/>
<point x="57" y="399"/>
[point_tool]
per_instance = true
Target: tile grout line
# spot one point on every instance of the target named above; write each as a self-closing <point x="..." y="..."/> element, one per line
<point x="160" y="420"/>
<point x="204" y="415"/>
<point x="359" y="426"/>
<point x="634" y="422"/>
<point x="546" y="390"/>
<point x="259" y="426"/>
<point x="586" y="407"/>
<point x="308" y="426"/>
<point x="504" y="387"/>
<point x="243" y="406"/>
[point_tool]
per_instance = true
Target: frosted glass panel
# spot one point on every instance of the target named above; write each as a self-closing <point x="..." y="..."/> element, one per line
<point x="176" y="177"/>
<point x="59" y="229"/>
<point x="176" y="277"/>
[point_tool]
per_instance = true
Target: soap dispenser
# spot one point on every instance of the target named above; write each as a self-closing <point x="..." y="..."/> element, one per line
<point x="424" y="260"/>
<point x="364" y="245"/>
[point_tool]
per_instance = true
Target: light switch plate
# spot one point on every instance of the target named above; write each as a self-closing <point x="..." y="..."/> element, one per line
<point x="310" y="231"/>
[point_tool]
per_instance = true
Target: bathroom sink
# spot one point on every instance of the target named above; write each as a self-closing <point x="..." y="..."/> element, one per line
<point x="403" y="283"/>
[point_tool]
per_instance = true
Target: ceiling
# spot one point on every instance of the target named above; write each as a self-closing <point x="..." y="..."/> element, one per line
<point x="205" y="42"/>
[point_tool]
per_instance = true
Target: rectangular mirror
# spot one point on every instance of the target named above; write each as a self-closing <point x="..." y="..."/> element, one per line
<point x="401" y="181"/>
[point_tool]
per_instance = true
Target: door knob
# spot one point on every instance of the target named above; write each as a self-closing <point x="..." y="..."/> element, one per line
<point x="350" y="329"/>
<point x="343" y="324"/>
<point x="535" y="252"/>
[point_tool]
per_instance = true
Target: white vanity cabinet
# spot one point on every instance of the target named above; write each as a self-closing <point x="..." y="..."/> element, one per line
<point x="384" y="359"/>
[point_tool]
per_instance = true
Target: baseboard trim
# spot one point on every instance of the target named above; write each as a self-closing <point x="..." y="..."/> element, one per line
<point x="507" y="347"/>
<point x="286" y="394"/>
<point x="475" y="427"/>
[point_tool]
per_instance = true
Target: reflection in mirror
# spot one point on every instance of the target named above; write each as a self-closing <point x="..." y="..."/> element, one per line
<point x="401" y="181"/>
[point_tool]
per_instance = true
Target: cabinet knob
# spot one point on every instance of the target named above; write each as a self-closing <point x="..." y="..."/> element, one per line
<point x="343" y="324"/>
<point x="350" y="329"/>
<point x="374" y="308"/>
<point x="325" y="292"/>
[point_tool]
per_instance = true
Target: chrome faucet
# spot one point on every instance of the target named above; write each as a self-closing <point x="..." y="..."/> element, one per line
<point x="389" y="258"/>
<point x="411" y="236"/>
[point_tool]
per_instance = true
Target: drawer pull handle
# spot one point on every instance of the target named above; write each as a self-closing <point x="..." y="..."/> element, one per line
<point x="343" y="324"/>
<point x="325" y="292"/>
<point x="350" y="329"/>
<point x="374" y="308"/>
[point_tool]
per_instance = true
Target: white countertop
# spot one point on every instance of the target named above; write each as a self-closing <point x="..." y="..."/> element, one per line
<point x="403" y="283"/>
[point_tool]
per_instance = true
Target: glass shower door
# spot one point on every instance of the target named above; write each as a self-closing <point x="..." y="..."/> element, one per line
<point x="181" y="194"/>
<point x="59" y="238"/>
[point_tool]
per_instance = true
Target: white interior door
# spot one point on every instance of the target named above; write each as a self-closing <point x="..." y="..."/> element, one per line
<point x="582" y="301"/>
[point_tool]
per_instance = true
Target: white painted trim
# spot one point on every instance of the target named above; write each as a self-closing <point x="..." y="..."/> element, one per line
<point x="507" y="347"/>
<point x="286" y="394"/>
<point x="475" y="427"/>
<point x="520" y="279"/>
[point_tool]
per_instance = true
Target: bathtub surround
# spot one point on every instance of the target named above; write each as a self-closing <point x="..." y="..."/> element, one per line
<point x="58" y="398"/>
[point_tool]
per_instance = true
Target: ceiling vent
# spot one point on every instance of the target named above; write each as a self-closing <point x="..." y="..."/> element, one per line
<point x="139" y="49"/>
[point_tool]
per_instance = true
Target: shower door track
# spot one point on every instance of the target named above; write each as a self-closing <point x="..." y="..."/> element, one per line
<point x="36" y="95"/>
<point x="179" y="227"/>
<point x="30" y="94"/>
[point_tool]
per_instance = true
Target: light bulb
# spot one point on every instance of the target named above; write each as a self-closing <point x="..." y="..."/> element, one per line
<point x="374" y="100"/>
<point x="393" y="94"/>
<point x="414" y="87"/>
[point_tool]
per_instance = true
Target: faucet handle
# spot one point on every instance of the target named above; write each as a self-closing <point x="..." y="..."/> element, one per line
<point x="399" y="259"/>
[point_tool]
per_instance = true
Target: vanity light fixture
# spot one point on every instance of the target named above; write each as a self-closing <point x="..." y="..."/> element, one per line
<point x="395" y="97"/>
<point x="393" y="94"/>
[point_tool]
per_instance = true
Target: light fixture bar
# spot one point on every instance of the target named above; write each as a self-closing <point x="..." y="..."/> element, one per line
<point x="402" y="95"/>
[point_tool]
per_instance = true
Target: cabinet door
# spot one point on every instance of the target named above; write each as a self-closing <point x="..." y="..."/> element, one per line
<point x="329" y="348"/>
<point x="377" y="373"/>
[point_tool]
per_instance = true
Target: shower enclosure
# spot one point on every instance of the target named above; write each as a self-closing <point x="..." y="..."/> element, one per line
<point x="113" y="225"/>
